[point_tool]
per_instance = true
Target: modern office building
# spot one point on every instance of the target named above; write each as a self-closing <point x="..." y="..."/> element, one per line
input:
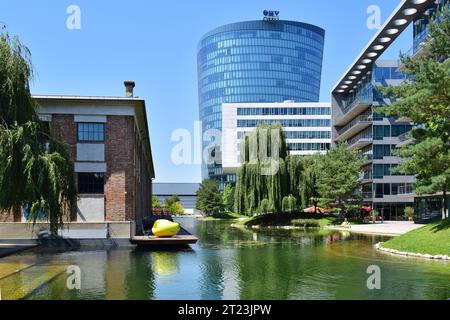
<point x="187" y="192"/>
<point x="354" y="99"/>
<point x="255" y="61"/>
<point x="108" y="140"/>
<point x="306" y="126"/>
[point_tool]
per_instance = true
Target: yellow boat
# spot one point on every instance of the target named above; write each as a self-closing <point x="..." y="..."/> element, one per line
<point x="165" y="228"/>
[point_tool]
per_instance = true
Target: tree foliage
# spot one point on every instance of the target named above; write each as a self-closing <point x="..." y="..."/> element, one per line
<point x="425" y="99"/>
<point x="209" y="198"/>
<point x="338" y="176"/>
<point x="263" y="173"/>
<point x="155" y="202"/>
<point x="300" y="181"/>
<point x="35" y="167"/>
<point x="289" y="204"/>
<point x="176" y="208"/>
<point x="228" y="197"/>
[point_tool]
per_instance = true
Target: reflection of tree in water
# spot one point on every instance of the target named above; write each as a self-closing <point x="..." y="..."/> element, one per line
<point x="267" y="272"/>
<point x="292" y="267"/>
<point x="212" y="276"/>
<point x="140" y="278"/>
<point x="165" y="263"/>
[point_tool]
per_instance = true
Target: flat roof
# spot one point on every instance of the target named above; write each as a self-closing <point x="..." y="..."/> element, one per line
<point x="406" y="12"/>
<point x="173" y="188"/>
<point x="277" y="104"/>
<point x="262" y="25"/>
<point x="140" y="114"/>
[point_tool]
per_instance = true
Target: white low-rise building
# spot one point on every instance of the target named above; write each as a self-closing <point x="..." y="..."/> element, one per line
<point x="306" y="126"/>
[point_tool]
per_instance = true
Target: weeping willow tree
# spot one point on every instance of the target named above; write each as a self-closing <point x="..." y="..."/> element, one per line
<point x="35" y="168"/>
<point x="263" y="174"/>
<point x="308" y="179"/>
<point x="293" y="185"/>
<point x="289" y="204"/>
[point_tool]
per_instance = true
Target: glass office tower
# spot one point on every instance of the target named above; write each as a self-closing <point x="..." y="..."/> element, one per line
<point x="255" y="61"/>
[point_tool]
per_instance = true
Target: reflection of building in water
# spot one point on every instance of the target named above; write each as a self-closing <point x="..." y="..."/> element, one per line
<point x="117" y="268"/>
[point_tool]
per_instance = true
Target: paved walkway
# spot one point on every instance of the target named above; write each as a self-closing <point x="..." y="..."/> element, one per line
<point x="391" y="228"/>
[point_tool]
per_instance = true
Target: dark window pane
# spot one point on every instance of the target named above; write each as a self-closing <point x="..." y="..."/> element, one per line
<point x="91" y="183"/>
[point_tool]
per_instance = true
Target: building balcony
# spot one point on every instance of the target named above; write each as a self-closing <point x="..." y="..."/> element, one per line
<point x="353" y="127"/>
<point x="356" y="104"/>
<point x="404" y="140"/>
<point x="368" y="159"/>
<point x="417" y="50"/>
<point x="356" y="107"/>
<point x="359" y="142"/>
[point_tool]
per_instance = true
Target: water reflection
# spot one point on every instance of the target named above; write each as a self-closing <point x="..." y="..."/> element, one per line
<point x="231" y="263"/>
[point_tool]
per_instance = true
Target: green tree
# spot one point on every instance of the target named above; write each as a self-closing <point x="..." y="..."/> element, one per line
<point x="309" y="177"/>
<point x="176" y="208"/>
<point x="35" y="167"/>
<point x="209" y="198"/>
<point x="425" y="100"/>
<point x="170" y="201"/>
<point x="264" y="207"/>
<point x="289" y="204"/>
<point x="338" y="177"/>
<point x="228" y="197"/>
<point x="263" y="173"/>
<point x="155" y="202"/>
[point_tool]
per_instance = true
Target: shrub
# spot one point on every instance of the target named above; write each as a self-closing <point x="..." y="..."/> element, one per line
<point x="409" y="213"/>
<point x="176" y="208"/>
<point x="306" y="223"/>
<point x="289" y="204"/>
<point x="264" y="206"/>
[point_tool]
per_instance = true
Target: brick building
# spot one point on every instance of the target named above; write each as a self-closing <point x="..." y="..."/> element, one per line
<point x="109" y="143"/>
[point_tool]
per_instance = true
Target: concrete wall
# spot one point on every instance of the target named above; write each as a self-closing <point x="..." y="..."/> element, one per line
<point x="91" y="208"/>
<point x="73" y="230"/>
<point x="91" y="152"/>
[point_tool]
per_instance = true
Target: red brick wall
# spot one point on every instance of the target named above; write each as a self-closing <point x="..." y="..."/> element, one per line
<point x="8" y="217"/>
<point x="64" y="128"/>
<point x="127" y="180"/>
<point x="119" y="179"/>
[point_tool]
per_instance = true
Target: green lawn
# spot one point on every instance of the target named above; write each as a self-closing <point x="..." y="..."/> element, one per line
<point x="432" y="239"/>
<point x="225" y="216"/>
<point x="290" y="219"/>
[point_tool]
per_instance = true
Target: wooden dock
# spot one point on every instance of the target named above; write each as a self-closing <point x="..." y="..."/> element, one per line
<point x="183" y="238"/>
<point x="178" y="240"/>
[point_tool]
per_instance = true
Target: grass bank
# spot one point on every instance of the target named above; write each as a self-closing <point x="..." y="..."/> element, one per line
<point x="290" y="219"/>
<point x="433" y="239"/>
<point x="224" y="216"/>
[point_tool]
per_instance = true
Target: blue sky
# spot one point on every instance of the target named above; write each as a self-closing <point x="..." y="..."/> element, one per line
<point x="155" y="44"/>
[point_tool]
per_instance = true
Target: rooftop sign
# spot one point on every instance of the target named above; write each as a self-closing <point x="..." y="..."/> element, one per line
<point x="270" y="15"/>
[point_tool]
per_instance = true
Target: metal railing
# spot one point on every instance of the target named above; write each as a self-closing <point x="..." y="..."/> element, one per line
<point x="361" y="118"/>
<point x="364" y="95"/>
<point x="361" y="136"/>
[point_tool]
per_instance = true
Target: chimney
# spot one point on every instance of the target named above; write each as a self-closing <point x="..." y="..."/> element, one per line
<point x="129" y="86"/>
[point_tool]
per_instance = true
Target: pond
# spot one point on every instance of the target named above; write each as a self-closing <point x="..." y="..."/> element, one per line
<point x="231" y="263"/>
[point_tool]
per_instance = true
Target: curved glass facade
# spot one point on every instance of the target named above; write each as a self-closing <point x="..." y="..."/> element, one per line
<point x="256" y="61"/>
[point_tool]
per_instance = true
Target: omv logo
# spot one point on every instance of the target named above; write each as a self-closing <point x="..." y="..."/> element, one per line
<point x="271" y="15"/>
